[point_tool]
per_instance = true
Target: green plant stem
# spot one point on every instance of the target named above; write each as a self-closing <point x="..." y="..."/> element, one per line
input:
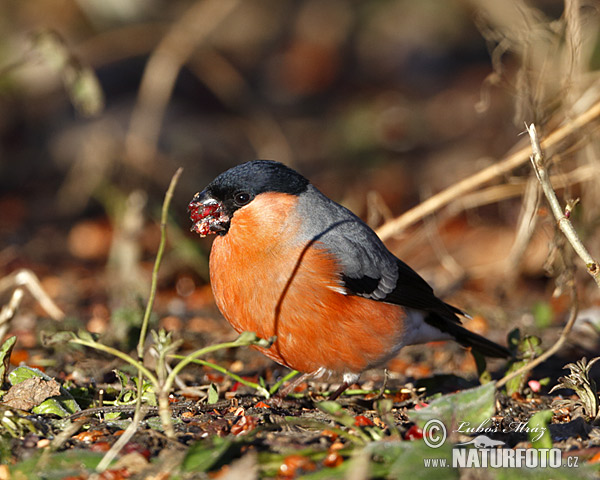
<point x="289" y="376"/>
<point x="163" y="404"/>
<point x="346" y="393"/>
<point x="224" y="371"/>
<point x="359" y="439"/>
<point x="159" y="255"/>
<point x="163" y="393"/>
<point x="194" y="355"/>
<point x="164" y="411"/>
<point x="123" y="356"/>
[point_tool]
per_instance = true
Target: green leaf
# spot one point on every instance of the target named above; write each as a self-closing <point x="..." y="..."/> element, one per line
<point x="538" y="432"/>
<point x="5" y="352"/>
<point x="341" y="472"/>
<point x="203" y="455"/>
<point x="530" y="347"/>
<point x="404" y="459"/>
<point x="515" y="384"/>
<point x="123" y="378"/>
<point x="473" y="405"/>
<point x="527" y="349"/>
<point x="21" y="374"/>
<point x="384" y="406"/>
<point x="213" y="394"/>
<point x="336" y="411"/>
<point x="54" y="405"/>
<point x="246" y="338"/>
<point x="330" y="407"/>
<point x="250" y="338"/>
<point x="59" y="465"/>
<point x="149" y="395"/>
<point x="15" y="424"/>
<point x="87" y="336"/>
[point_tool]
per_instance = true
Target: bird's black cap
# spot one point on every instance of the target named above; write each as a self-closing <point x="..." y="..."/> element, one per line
<point x="256" y="177"/>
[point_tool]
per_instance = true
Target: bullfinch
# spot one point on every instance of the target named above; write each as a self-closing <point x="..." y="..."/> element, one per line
<point x="289" y="262"/>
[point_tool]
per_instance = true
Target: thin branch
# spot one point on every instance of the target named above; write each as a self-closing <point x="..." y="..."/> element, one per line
<point x="516" y="188"/>
<point x="565" y="225"/>
<point x="26" y="278"/>
<point x="432" y="204"/>
<point x="65" y="435"/>
<point x="8" y="311"/>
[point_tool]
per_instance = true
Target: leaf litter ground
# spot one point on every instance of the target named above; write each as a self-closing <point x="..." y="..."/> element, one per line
<point x="299" y="436"/>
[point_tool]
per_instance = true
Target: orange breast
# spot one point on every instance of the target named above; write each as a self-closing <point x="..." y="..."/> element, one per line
<point x="266" y="283"/>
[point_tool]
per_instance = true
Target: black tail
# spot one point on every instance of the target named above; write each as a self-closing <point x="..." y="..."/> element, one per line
<point x="467" y="338"/>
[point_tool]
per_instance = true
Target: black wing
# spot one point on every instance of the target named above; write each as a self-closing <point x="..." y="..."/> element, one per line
<point x="410" y="290"/>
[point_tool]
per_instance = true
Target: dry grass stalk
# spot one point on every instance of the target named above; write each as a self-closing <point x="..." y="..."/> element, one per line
<point x="443" y="198"/>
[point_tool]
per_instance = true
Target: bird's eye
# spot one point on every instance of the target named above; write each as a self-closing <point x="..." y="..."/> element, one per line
<point x="242" y="198"/>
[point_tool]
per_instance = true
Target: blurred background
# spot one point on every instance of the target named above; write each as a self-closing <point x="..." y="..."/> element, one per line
<point x="381" y="103"/>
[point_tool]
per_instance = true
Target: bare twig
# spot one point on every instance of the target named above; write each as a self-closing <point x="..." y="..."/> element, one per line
<point x="562" y="219"/>
<point x="432" y="204"/>
<point x="131" y="429"/>
<point x="516" y="188"/>
<point x="64" y="436"/>
<point x="26" y="278"/>
<point x="8" y="311"/>
<point x="566" y="227"/>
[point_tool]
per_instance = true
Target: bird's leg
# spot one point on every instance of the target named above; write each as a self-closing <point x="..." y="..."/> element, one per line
<point x="342" y="388"/>
<point x="289" y="388"/>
